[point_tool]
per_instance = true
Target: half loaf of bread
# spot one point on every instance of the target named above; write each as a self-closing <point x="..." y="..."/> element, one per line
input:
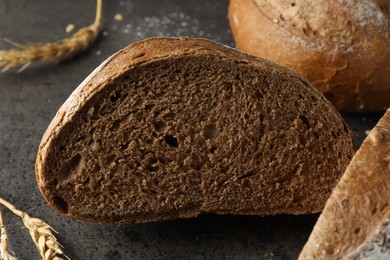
<point x="355" y="223"/>
<point x="173" y="127"/>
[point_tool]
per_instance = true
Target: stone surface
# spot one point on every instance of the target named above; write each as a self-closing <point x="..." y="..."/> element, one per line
<point x="29" y="100"/>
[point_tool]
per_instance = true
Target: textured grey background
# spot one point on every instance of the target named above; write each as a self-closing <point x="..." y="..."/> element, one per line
<point x="30" y="99"/>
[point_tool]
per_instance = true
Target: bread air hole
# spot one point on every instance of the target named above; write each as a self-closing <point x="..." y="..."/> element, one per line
<point x="298" y="199"/>
<point x="210" y="131"/>
<point x="152" y="164"/>
<point x="213" y="149"/>
<point x="169" y="116"/>
<point x="357" y="231"/>
<point x="115" y="97"/>
<point x="61" y="204"/>
<point x="305" y="121"/>
<point x="171" y="141"/>
<point x="115" y="125"/>
<point x="335" y="134"/>
<point x="110" y="160"/>
<point x="246" y="175"/>
<point x="124" y="146"/>
<point x="149" y="107"/>
<point x="71" y="169"/>
<point x="259" y="95"/>
<point x="159" y="126"/>
<point x="329" y="250"/>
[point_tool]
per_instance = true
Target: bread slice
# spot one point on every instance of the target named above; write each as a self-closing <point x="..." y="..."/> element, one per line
<point x="355" y="223"/>
<point x="170" y="128"/>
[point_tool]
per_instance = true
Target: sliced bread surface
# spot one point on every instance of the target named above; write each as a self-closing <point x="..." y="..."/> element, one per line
<point x="174" y="127"/>
<point x="355" y="223"/>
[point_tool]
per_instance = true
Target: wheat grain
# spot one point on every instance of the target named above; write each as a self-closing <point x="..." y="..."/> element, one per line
<point x="41" y="233"/>
<point x="26" y="54"/>
<point x="4" y="251"/>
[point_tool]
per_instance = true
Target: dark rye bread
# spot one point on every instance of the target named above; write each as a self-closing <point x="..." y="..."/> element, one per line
<point x="173" y="127"/>
<point x="355" y="223"/>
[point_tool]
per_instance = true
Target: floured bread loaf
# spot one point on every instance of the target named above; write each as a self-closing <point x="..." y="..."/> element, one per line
<point x="355" y="223"/>
<point x="170" y="128"/>
<point x="341" y="46"/>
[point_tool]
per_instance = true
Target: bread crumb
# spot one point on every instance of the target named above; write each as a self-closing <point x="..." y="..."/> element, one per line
<point x="275" y="21"/>
<point x="70" y="27"/>
<point x="118" y="17"/>
<point x="367" y="132"/>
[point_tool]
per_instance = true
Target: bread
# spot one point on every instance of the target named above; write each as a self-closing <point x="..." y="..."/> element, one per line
<point x="341" y="46"/>
<point x="171" y="128"/>
<point x="355" y="223"/>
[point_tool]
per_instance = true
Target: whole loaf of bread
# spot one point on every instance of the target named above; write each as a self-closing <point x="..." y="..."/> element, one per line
<point x="341" y="46"/>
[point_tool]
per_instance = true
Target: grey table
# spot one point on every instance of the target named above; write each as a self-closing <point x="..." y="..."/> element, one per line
<point x="29" y="100"/>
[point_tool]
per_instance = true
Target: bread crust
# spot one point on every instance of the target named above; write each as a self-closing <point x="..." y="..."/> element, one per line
<point x="356" y="218"/>
<point x="340" y="48"/>
<point x="118" y="64"/>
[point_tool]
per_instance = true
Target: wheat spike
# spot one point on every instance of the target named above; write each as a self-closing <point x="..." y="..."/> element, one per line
<point x="26" y="54"/>
<point x="41" y="233"/>
<point x="4" y="251"/>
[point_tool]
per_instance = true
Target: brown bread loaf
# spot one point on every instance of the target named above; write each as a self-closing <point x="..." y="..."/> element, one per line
<point x="170" y="128"/>
<point x="341" y="46"/>
<point x="355" y="223"/>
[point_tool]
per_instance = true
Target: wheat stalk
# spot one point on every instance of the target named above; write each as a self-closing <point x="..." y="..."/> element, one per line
<point x="4" y="254"/>
<point x="41" y="233"/>
<point x="27" y="54"/>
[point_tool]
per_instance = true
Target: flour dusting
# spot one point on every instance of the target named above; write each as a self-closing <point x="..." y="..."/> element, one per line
<point x="378" y="248"/>
<point x="172" y="24"/>
<point x="369" y="13"/>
